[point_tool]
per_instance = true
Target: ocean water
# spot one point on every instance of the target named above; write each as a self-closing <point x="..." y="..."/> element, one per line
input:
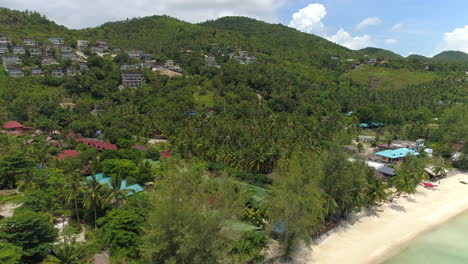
<point x="447" y="244"/>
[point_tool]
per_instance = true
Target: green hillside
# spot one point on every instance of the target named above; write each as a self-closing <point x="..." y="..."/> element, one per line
<point x="415" y="57"/>
<point x="379" y="53"/>
<point x="451" y="56"/>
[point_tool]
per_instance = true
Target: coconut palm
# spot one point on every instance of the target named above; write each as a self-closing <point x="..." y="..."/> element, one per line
<point x="68" y="252"/>
<point x="27" y="181"/>
<point x="94" y="196"/>
<point x="117" y="193"/>
<point x="72" y="190"/>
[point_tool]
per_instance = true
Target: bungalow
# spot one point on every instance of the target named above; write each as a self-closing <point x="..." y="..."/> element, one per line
<point x="68" y="55"/>
<point x="4" y="39"/>
<point x="97" y="49"/>
<point x="15" y="127"/>
<point x="396" y="154"/>
<point x="67" y="153"/>
<point x="66" y="48"/>
<point x="29" y="41"/>
<point x="408" y="144"/>
<point x="135" y="54"/>
<point x="140" y="147"/>
<point x="57" y="73"/>
<point x="35" y="51"/>
<point x="48" y="60"/>
<point x="83" y="65"/>
<point x="98" y="144"/>
<point x="56" y="40"/>
<point x="366" y="139"/>
<point x="249" y="60"/>
<point x="386" y="171"/>
<point x="3" y="49"/>
<point x="15" y="71"/>
<point x="166" y="154"/>
<point x="132" y="79"/>
<point x="72" y="72"/>
<point x="37" y="72"/>
<point x="81" y="44"/>
<point x="18" y="50"/>
<point x="11" y="60"/>
<point x="243" y="54"/>
<point x="103" y="44"/>
<point x="146" y="57"/>
<point x="128" y="67"/>
<point x="210" y="61"/>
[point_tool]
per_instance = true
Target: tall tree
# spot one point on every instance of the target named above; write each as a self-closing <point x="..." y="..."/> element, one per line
<point x="30" y="231"/>
<point x="296" y="207"/>
<point x="94" y="196"/>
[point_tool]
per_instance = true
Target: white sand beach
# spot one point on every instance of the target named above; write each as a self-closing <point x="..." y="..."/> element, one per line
<point x="373" y="237"/>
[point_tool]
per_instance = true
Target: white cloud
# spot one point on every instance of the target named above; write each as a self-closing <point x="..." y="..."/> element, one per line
<point x="391" y="41"/>
<point x="370" y="21"/>
<point x="345" y="39"/>
<point x="309" y="19"/>
<point x="397" y="27"/>
<point x="455" y="40"/>
<point x="87" y="13"/>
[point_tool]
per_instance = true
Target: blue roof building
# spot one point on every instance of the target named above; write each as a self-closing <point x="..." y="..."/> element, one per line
<point x="132" y="189"/>
<point x="392" y="155"/>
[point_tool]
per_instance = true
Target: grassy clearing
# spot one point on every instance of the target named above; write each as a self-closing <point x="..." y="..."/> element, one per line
<point x="387" y="78"/>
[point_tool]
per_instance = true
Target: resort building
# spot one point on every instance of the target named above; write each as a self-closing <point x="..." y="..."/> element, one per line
<point x="81" y="44"/>
<point x="29" y="41"/>
<point x="131" y="189"/>
<point x="3" y="49"/>
<point x="68" y="55"/>
<point x="48" y="60"/>
<point x="366" y="139"/>
<point x="35" y="51"/>
<point x="132" y="79"/>
<point x="66" y="48"/>
<point x="57" y="73"/>
<point x="56" y="40"/>
<point x="98" y="144"/>
<point x="18" y="50"/>
<point x="15" y="71"/>
<point x="10" y="60"/>
<point x="37" y="72"/>
<point x="394" y="155"/>
<point x="4" y="39"/>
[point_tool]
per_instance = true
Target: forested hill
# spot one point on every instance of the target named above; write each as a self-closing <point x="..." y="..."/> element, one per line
<point x="451" y="56"/>
<point x="281" y="37"/>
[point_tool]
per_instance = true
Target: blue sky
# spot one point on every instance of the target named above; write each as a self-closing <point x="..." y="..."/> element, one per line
<point x="424" y="27"/>
<point x="423" y="23"/>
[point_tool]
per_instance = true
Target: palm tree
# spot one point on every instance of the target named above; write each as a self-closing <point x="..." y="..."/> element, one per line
<point x="27" y="181"/>
<point x="117" y="193"/>
<point x="68" y="252"/>
<point x="94" y="196"/>
<point x="439" y="168"/>
<point x="72" y="190"/>
<point x="49" y="207"/>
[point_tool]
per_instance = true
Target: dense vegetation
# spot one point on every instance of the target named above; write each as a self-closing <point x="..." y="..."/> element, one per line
<point x="256" y="149"/>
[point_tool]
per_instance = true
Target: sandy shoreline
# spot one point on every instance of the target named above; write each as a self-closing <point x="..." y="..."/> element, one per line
<point x="373" y="237"/>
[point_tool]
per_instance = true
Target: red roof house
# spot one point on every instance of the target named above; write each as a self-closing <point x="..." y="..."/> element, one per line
<point x="166" y="154"/>
<point x="15" y="127"/>
<point x="140" y="147"/>
<point x="67" y="153"/>
<point x="98" y="144"/>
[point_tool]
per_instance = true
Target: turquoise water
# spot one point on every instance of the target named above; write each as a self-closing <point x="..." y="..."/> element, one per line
<point x="447" y="244"/>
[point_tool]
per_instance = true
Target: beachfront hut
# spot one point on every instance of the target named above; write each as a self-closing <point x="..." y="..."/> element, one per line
<point x="387" y="171"/>
<point x="394" y="155"/>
